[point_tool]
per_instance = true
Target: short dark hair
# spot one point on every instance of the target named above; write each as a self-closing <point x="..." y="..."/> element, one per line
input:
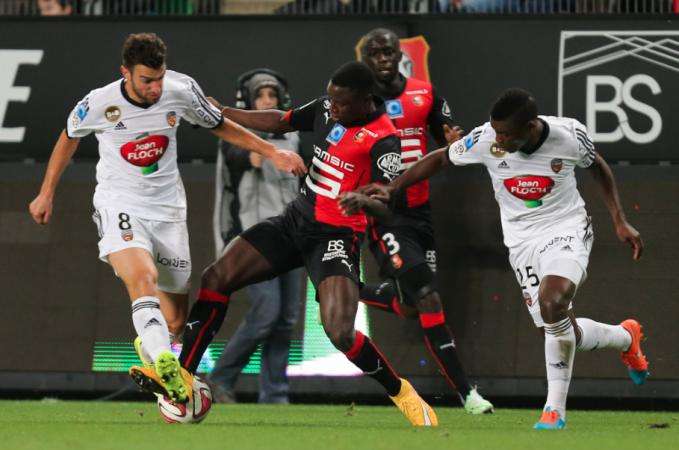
<point x="356" y="76"/>
<point x="515" y="104"/>
<point x="374" y="34"/>
<point x="144" y="48"/>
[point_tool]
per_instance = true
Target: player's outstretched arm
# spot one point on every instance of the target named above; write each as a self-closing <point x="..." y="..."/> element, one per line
<point x="41" y="206"/>
<point x="626" y="232"/>
<point x="235" y="134"/>
<point x="269" y="120"/>
<point x="421" y="170"/>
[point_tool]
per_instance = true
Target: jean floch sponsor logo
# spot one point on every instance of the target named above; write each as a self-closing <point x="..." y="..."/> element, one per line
<point x="618" y="83"/>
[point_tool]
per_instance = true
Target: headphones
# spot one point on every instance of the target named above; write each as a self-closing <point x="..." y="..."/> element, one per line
<point x="243" y="93"/>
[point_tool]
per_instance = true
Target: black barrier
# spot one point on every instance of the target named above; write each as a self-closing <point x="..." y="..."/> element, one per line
<point x="621" y="83"/>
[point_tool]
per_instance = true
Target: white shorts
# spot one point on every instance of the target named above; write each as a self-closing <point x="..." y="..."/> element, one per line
<point x="563" y="252"/>
<point x="167" y="242"/>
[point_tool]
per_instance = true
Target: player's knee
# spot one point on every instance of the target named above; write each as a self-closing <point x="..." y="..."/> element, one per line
<point x="341" y="335"/>
<point x="144" y="282"/>
<point x="555" y="294"/>
<point x="215" y="278"/>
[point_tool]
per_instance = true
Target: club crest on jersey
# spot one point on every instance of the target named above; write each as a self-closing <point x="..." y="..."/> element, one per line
<point x="336" y="134"/>
<point x="360" y="136"/>
<point x="171" y="118"/>
<point x="529" y="188"/>
<point x="390" y="164"/>
<point x="112" y="114"/>
<point x="418" y="100"/>
<point x="394" y="109"/>
<point x="127" y="235"/>
<point x="145" y="152"/>
<point x="528" y="299"/>
<point x="557" y="165"/>
<point x="496" y="151"/>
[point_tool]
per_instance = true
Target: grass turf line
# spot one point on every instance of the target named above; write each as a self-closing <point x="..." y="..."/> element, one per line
<point x="67" y="425"/>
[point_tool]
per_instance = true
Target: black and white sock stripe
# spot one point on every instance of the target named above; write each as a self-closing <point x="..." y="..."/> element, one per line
<point x="558" y="328"/>
<point x="145" y="304"/>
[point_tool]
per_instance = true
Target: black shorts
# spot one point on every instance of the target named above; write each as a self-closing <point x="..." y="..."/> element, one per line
<point x="402" y="245"/>
<point x="291" y="240"/>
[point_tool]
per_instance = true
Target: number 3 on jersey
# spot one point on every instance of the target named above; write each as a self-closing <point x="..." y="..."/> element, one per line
<point x="529" y="276"/>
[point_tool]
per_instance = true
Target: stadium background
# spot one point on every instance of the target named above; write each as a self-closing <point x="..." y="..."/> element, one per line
<point x="59" y="300"/>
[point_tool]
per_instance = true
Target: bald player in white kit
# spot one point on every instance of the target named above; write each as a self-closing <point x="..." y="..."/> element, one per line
<point x="139" y="201"/>
<point x="531" y="160"/>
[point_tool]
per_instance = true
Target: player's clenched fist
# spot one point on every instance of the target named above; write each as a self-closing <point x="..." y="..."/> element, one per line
<point x="288" y="161"/>
<point x="41" y="209"/>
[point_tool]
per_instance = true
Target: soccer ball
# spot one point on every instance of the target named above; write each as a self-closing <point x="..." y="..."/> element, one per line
<point x="193" y="411"/>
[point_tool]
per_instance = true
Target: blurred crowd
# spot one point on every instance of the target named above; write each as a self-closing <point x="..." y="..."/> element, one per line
<point x="342" y="7"/>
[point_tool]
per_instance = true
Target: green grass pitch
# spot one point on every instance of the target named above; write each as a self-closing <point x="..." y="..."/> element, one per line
<point x="67" y="425"/>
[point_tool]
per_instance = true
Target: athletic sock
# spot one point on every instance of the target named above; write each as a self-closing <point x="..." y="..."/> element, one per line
<point x="596" y="335"/>
<point x="441" y="344"/>
<point x="559" y="355"/>
<point x="382" y="297"/>
<point x="205" y="319"/>
<point x="366" y="356"/>
<point x="151" y="326"/>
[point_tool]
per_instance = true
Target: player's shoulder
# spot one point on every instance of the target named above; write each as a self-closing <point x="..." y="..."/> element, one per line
<point x="177" y="82"/>
<point x="104" y="94"/>
<point x="482" y="134"/>
<point x="565" y="128"/>
<point x="563" y="124"/>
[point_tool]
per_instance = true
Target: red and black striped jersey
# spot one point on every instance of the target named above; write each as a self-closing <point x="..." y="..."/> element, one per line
<point x="345" y="158"/>
<point x="415" y="110"/>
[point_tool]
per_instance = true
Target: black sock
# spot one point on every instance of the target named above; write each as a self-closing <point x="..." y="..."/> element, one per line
<point x="205" y="319"/>
<point x="368" y="358"/>
<point x="382" y="297"/>
<point x="441" y="345"/>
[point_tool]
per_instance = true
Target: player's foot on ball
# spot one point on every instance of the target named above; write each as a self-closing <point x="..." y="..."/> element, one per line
<point x="550" y="420"/>
<point x="476" y="404"/>
<point x="634" y="359"/>
<point x="416" y="410"/>
<point x="166" y="378"/>
<point x="145" y="360"/>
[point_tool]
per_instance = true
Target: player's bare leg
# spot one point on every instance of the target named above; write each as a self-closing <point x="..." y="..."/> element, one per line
<point x="239" y="266"/>
<point x="175" y="309"/>
<point x="338" y="297"/>
<point x="136" y="268"/>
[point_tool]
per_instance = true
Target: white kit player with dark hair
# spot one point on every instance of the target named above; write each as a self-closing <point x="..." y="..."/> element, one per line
<point x="139" y="201"/>
<point x="531" y="160"/>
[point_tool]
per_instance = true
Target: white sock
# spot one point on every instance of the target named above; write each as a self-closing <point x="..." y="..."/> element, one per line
<point x="559" y="354"/>
<point x="150" y="326"/>
<point x="596" y="335"/>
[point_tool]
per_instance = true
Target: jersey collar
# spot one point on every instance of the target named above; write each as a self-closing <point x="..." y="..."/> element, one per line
<point x="543" y="137"/>
<point x="379" y="110"/>
<point x="130" y="99"/>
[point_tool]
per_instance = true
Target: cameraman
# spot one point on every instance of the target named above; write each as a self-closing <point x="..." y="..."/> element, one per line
<point x="250" y="190"/>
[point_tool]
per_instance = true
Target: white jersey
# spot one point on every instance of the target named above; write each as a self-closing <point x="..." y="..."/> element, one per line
<point x="538" y="191"/>
<point x="137" y="166"/>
